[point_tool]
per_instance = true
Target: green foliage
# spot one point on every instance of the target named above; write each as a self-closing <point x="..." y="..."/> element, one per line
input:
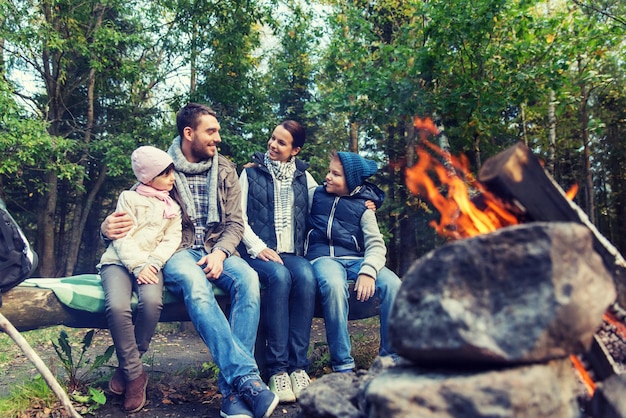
<point x="110" y="76"/>
<point x="24" y="395"/>
<point x="77" y="366"/>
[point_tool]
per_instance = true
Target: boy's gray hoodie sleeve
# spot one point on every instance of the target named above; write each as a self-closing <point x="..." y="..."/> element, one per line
<point x="375" y="249"/>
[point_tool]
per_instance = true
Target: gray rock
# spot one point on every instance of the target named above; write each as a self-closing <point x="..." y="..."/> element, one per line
<point x="339" y="395"/>
<point x="332" y="395"/>
<point x="523" y="294"/>
<point x="536" y="391"/>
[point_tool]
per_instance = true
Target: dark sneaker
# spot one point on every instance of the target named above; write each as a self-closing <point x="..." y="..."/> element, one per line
<point x="261" y="400"/>
<point x="234" y="407"/>
<point x="117" y="384"/>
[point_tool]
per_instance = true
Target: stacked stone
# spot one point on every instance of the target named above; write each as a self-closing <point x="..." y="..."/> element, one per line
<point x="485" y="327"/>
<point x="488" y="325"/>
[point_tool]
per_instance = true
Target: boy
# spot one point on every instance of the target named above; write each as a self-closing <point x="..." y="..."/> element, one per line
<point x="345" y="243"/>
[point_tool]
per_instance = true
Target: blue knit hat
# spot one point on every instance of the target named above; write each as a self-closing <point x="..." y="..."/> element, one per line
<point x="356" y="169"/>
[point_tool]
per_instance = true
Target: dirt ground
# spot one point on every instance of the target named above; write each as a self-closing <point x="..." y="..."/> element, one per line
<point x="177" y="387"/>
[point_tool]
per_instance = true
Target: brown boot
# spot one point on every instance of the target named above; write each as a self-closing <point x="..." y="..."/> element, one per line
<point x="117" y="384"/>
<point x="135" y="397"/>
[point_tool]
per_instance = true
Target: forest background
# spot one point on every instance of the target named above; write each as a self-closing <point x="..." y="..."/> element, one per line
<point x="84" y="82"/>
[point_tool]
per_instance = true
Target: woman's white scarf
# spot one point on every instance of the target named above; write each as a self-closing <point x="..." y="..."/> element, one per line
<point x="283" y="198"/>
<point x="183" y="166"/>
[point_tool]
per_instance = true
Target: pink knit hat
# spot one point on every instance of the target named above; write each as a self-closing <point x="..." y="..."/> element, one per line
<point x="148" y="162"/>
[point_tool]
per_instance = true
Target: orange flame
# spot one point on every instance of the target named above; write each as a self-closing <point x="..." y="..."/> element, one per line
<point x="460" y="215"/>
<point x="571" y="193"/>
<point x="618" y="324"/>
<point x="590" y="385"/>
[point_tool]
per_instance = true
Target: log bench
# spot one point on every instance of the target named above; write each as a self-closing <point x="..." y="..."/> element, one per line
<point x="29" y="308"/>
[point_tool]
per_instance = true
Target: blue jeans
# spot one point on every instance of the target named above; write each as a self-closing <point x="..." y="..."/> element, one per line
<point x="131" y="339"/>
<point x="231" y="341"/>
<point x="288" y="305"/>
<point x="332" y="276"/>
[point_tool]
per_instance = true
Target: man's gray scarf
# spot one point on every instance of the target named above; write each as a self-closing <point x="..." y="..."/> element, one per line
<point x="183" y="166"/>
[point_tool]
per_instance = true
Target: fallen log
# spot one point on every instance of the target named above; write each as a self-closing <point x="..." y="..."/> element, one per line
<point x="29" y="308"/>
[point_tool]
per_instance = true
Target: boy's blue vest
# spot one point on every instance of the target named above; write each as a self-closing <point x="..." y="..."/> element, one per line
<point x="260" y="208"/>
<point x="336" y="222"/>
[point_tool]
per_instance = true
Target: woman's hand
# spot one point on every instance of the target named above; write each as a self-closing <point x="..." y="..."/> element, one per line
<point x="267" y="254"/>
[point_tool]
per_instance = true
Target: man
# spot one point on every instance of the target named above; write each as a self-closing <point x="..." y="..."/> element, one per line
<point x="210" y="192"/>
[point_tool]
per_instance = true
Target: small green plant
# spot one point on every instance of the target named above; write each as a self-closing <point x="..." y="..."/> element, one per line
<point x="320" y="359"/>
<point x="78" y="369"/>
<point x="211" y="368"/>
<point x="94" y="400"/>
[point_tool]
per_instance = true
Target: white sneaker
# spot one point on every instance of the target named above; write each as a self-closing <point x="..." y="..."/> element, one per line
<point x="280" y="384"/>
<point x="299" y="381"/>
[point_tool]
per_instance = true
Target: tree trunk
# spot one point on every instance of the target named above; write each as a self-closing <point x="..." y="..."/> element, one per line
<point x="584" y="127"/>
<point x="354" y="137"/>
<point x="2" y="69"/>
<point x="46" y="228"/>
<point x="522" y="108"/>
<point x="81" y="207"/>
<point x="406" y="248"/>
<point x="193" y="54"/>
<point x="551" y="132"/>
<point x="476" y="146"/>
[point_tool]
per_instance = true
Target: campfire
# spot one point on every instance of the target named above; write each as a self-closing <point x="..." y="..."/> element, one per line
<point x="468" y="208"/>
<point x="504" y="196"/>
<point x="490" y="323"/>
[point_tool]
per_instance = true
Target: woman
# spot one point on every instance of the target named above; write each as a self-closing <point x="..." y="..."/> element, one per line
<point x="275" y="204"/>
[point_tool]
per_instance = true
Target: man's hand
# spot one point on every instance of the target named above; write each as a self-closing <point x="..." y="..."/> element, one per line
<point x="365" y="287"/>
<point x="116" y="225"/>
<point x="213" y="264"/>
<point x="147" y="275"/>
<point x="267" y="254"/>
<point x="370" y="205"/>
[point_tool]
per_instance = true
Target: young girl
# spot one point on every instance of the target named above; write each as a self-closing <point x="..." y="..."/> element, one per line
<point x="275" y="196"/>
<point x="346" y="244"/>
<point x="134" y="263"/>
